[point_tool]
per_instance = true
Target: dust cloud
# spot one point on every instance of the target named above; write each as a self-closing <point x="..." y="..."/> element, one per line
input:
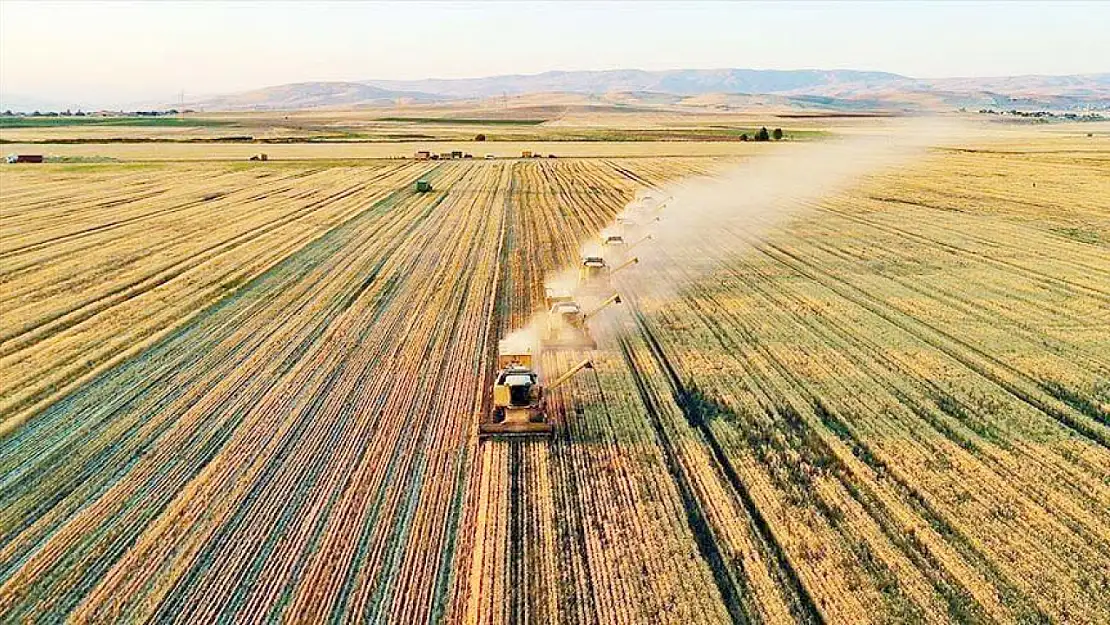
<point x="700" y="219"/>
<point x="524" y="340"/>
<point x="694" y="222"/>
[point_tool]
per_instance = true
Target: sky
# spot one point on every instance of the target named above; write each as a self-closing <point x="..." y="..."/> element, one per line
<point x="98" y="53"/>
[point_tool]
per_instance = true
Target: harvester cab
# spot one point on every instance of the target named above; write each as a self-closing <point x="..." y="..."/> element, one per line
<point x="554" y="296"/>
<point x="613" y="238"/>
<point x="615" y="246"/>
<point x="518" y="396"/>
<point x="567" y="314"/>
<point x="593" y="274"/>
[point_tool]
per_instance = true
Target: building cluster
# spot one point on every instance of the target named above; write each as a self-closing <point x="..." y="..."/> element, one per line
<point x="1046" y="115"/>
<point x="80" y="113"/>
<point x="427" y="155"/>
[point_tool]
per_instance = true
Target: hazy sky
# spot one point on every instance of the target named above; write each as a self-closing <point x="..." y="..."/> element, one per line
<point x="94" y="52"/>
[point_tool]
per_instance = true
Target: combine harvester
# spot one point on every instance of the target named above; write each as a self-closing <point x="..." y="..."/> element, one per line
<point x="566" y="324"/>
<point x="594" y="274"/>
<point x="519" y="408"/>
<point x="518" y="393"/>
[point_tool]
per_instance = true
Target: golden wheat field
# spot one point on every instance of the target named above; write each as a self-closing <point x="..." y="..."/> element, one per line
<point x="249" y="392"/>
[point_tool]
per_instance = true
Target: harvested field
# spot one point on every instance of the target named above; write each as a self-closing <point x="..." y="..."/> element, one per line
<point x="239" y="392"/>
<point x="450" y="124"/>
<point x="98" y="263"/>
<point x="155" y="151"/>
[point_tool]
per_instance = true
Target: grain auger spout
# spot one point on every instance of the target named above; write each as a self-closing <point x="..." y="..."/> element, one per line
<point x="559" y="381"/>
<point x="625" y="265"/>
<point x="642" y="240"/>
<point x="615" y="298"/>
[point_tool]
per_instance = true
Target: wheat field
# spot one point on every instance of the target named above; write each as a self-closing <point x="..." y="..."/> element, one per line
<point x="249" y="392"/>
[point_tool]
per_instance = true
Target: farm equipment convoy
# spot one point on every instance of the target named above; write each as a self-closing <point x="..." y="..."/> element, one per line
<point x="519" y="408"/>
<point x="519" y="394"/>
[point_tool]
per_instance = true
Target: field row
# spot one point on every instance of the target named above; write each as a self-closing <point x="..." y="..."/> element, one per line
<point x="881" y="409"/>
<point x="302" y="446"/>
<point x="97" y="266"/>
<point x="907" y="398"/>
<point x="887" y="405"/>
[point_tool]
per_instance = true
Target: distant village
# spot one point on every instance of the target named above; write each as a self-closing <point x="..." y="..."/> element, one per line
<point x="1047" y="115"/>
<point x="80" y="113"/>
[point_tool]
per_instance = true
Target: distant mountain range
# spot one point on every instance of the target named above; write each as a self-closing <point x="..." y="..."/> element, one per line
<point x="675" y="82"/>
<point x="837" y="90"/>
<point x="308" y="95"/>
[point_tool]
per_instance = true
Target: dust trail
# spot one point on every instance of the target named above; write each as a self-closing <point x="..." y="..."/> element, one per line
<point x="695" y="222"/>
<point x="525" y="340"/>
<point x="701" y="218"/>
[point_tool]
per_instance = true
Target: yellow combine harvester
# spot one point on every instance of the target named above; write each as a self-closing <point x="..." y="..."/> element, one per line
<point x="566" y="325"/>
<point x="518" y="396"/>
<point x="594" y="274"/>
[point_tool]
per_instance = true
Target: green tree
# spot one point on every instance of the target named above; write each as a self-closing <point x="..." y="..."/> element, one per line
<point x="480" y="138"/>
<point x="763" y="135"/>
<point x="777" y="134"/>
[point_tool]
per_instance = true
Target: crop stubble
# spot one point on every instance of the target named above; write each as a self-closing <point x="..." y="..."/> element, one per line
<point x="251" y="392"/>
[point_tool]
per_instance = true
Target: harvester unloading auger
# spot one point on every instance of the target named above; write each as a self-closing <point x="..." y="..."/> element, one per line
<point x="519" y="408"/>
<point x="641" y="240"/>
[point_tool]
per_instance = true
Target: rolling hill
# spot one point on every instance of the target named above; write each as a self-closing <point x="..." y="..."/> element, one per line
<point x="843" y="90"/>
<point x="306" y="95"/>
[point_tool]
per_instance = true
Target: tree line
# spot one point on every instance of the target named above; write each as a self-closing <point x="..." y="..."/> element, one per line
<point x="763" y="135"/>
